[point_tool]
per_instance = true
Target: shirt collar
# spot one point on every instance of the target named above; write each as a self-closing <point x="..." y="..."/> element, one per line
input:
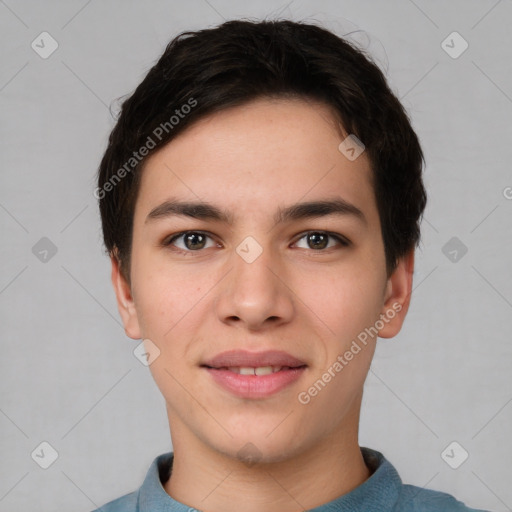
<point x="379" y="492"/>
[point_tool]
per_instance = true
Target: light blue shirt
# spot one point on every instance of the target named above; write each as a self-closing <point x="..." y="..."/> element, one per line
<point x="382" y="492"/>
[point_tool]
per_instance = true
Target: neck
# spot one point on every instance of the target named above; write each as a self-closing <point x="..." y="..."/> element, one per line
<point x="211" y="481"/>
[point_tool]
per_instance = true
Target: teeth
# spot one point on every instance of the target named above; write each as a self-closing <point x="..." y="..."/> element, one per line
<point x="261" y="370"/>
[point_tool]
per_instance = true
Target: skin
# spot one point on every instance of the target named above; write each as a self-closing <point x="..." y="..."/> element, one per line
<point x="312" y="303"/>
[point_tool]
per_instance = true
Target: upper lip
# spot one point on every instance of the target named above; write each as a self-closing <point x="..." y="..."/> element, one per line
<point x="243" y="358"/>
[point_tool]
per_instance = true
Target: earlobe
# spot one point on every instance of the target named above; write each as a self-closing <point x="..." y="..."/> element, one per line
<point x="125" y="302"/>
<point x="397" y="296"/>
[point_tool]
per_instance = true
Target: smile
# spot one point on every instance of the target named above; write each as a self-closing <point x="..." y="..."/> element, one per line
<point x="254" y="375"/>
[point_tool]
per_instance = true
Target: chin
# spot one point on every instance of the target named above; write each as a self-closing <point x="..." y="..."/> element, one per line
<point x="259" y="448"/>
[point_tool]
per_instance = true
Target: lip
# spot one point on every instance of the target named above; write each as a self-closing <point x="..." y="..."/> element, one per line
<point x="252" y="386"/>
<point x="253" y="359"/>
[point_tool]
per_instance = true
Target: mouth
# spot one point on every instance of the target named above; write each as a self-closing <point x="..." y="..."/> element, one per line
<point x="258" y="371"/>
<point x="254" y="374"/>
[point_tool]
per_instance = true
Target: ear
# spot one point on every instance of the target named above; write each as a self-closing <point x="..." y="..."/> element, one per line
<point x="397" y="296"/>
<point x="125" y="302"/>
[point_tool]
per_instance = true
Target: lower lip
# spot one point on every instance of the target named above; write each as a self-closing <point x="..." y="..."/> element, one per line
<point x="253" y="386"/>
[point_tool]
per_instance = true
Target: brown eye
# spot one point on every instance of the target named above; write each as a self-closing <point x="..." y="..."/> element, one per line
<point x="319" y="240"/>
<point x="194" y="241"/>
<point x="189" y="241"/>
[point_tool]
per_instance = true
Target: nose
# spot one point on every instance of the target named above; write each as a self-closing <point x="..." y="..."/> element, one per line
<point x="255" y="294"/>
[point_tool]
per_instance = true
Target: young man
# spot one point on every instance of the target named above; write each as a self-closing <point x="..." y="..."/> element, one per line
<point x="260" y="199"/>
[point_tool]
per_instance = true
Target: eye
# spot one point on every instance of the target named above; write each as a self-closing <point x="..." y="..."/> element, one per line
<point x="319" y="240"/>
<point x="190" y="241"/>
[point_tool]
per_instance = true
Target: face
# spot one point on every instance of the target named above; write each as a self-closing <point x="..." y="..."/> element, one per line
<point x="257" y="264"/>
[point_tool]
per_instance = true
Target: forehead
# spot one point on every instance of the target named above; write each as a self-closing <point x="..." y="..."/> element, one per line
<point x="258" y="157"/>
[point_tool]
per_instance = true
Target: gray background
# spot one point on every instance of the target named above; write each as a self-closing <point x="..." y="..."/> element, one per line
<point x="68" y="373"/>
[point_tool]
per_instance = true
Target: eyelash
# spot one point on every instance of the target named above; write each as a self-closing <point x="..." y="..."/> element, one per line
<point x="342" y="241"/>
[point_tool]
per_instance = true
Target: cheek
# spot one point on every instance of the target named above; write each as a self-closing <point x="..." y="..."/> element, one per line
<point x="345" y="301"/>
<point x="171" y="303"/>
<point x="163" y="305"/>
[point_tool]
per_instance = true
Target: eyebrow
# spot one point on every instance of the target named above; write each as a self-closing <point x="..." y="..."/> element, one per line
<point x="298" y="211"/>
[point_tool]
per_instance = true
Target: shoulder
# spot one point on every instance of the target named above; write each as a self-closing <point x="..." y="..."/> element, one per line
<point x="417" y="499"/>
<point x="150" y="495"/>
<point x="126" y="503"/>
